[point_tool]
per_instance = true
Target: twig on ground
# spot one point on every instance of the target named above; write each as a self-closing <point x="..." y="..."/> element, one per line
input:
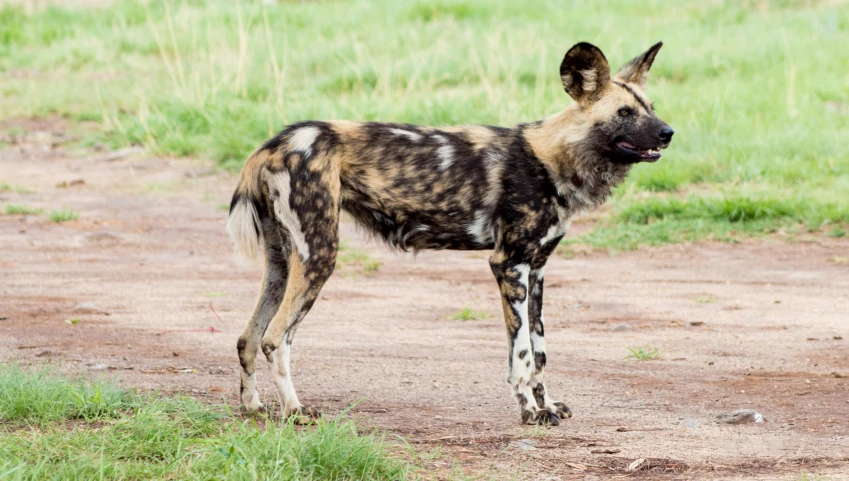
<point x="204" y="329"/>
<point x="216" y="315"/>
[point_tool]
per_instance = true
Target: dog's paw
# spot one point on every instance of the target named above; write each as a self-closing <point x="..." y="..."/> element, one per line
<point x="256" y="409"/>
<point x="562" y="411"/>
<point x="306" y="415"/>
<point x="542" y="417"/>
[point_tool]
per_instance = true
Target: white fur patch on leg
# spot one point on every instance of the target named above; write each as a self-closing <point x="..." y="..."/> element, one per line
<point x="302" y="140"/>
<point x="538" y="342"/>
<point x="280" y="183"/>
<point x="250" y="398"/>
<point x="242" y="225"/>
<point x="523" y="357"/>
<point x="282" y="373"/>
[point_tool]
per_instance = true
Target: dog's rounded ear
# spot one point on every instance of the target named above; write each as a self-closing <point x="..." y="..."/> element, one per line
<point x="637" y="70"/>
<point x="585" y="72"/>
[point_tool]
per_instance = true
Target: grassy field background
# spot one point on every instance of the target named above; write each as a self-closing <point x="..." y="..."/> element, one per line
<point x="758" y="91"/>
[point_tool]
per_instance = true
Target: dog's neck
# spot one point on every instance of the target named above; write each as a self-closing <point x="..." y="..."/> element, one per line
<point x="563" y="143"/>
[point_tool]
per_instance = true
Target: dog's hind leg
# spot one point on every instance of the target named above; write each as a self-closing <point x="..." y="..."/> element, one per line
<point x="306" y="205"/>
<point x="277" y="251"/>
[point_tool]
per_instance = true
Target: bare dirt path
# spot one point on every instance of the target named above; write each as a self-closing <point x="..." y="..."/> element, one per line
<point x="761" y="325"/>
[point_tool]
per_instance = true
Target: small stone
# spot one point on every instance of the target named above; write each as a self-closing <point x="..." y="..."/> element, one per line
<point x="621" y="327"/>
<point x="697" y="323"/>
<point x="636" y="465"/>
<point x="741" y="416"/>
<point x="692" y="423"/>
<point x="45" y="353"/>
<point x="605" y="451"/>
<point x="99" y="367"/>
<point x="215" y="370"/>
<point x="86" y="307"/>
<point x="524" y="444"/>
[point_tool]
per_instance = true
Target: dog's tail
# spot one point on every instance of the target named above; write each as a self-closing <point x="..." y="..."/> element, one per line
<point x="243" y="224"/>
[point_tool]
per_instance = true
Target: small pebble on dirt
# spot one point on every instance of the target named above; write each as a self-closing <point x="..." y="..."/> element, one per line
<point x="99" y="367"/>
<point x="45" y="353"/>
<point x="692" y="423"/>
<point x="525" y="444"/>
<point x="636" y="465"/>
<point x="621" y="327"/>
<point x="741" y="416"/>
<point x="604" y="451"/>
<point x="696" y="323"/>
<point x="86" y="307"/>
<point x="214" y="370"/>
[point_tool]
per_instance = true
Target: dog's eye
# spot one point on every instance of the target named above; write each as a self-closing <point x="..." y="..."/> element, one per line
<point x="625" y="111"/>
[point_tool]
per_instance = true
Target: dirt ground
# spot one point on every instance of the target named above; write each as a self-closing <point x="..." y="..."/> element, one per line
<point x="761" y="325"/>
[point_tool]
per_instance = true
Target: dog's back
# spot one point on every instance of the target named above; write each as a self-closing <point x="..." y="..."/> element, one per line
<point x="416" y="187"/>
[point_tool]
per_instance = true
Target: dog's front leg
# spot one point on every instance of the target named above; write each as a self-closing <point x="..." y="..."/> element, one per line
<point x="513" y="278"/>
<point x="537" y="330"/>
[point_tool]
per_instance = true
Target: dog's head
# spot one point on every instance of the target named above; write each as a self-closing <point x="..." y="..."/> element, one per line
<point x="623" y="126"/>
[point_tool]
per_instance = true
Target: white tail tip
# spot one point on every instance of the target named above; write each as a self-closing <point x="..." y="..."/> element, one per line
<point x="243" y="225"/>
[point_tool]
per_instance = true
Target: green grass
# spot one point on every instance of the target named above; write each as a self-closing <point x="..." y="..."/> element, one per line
<point x="63" y="215"/>
<point x="38" y="397"/>
<point x="19" y="209"/>
<point x="53" y="429"/>
<point x="468" y="314"/>
<point x="356" y="261"/>
<point x="757" y="91"/>
<point x="5" y="187"/>
<point x="642" y="353"/>
<point x="728" y="218"/>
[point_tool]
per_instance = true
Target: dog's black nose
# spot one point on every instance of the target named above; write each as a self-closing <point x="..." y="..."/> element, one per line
<point x="665" y="133"/>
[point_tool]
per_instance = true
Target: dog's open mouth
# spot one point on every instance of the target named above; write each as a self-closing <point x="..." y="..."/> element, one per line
<point x="649" y="155"/>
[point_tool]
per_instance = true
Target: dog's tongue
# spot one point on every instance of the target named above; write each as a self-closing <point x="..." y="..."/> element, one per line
<point x="627" y="145"/>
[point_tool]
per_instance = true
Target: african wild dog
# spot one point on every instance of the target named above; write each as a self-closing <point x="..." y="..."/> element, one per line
<point x="512" y="190"/>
